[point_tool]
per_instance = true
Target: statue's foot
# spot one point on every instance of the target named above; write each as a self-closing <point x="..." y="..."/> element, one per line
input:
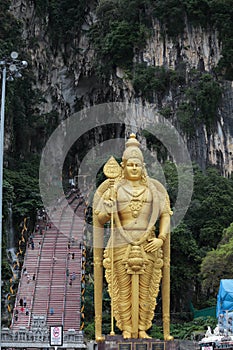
<point x="143" y="335"/>
<point x="99" y="339"/>
<point x="126" y="335"/>
<point x="169" y="338"/>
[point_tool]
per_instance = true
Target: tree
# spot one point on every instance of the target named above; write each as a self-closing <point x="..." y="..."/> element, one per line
<point x="218" y="264"/>
<point x="185" y="260"/>
<point x="211" y="207"/>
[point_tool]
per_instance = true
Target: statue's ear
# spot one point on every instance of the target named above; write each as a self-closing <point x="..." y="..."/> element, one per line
<point x="122" y="165"/>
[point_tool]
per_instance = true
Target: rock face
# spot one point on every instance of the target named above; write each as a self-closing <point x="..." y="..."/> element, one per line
<point x="197" y="48"/>
<point x="66" y="76"/>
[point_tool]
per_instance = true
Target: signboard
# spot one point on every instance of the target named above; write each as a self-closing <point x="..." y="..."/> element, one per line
<point x="209" y="346"/>
<point x="158" y="346"/>
<point x="141" y="346"/>
<point x="56" y="336"/>
<point x="125" y="346"/>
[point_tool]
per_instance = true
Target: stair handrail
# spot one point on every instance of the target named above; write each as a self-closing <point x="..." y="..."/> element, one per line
<point x="53" y="262"/>
<point x="67" y="277"/>
<point x="36" y="275"/>
<point x="67" y="264"/>
<point x="51" y="272"/>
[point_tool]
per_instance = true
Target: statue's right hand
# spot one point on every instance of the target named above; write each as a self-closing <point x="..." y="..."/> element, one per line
<point x="105" y="214"/>
<point x="110" y="206"/>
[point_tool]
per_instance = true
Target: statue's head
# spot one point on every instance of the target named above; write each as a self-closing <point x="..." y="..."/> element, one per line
<point x="133" y="158"/>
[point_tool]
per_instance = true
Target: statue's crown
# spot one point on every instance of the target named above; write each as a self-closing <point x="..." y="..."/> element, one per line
<point x="132" y="149"/>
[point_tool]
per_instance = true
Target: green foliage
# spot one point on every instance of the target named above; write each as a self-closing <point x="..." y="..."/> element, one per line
<point x="136" y="11"/>
<point x="171" y="14"/>
<point x="185" y="257"/>
<point x="153" y="82"/>
<point x="185" y="118"/>
<point x="184" y="330"/>
<point x="166" y="112"/>
<point x="89" y="300"/>
<point x="107" y="10"/>
<point x="149" y="81"/>
<point x="6" y="270"/>
<point x="211" y="207"/>
<point x="156" y="332"/>
<point x="132" y="11"/>
<point x="187" y="330"/>
<point x="121" y="29"/>
<point x="217" y="263"/>
<point x="10" y="30"/>
<point x="118" y="45"/>
<point x="89" y="330"/>
<point x="8" y="196"/>
<point x="197" y="11"/>
<point x="24" y="187"/>
<point x="203" y="99"/>
<point x="65" y="18"/>
<point x="207" y="95"/>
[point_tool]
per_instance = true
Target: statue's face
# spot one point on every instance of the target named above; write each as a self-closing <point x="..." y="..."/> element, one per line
<point x="133" y="169"/>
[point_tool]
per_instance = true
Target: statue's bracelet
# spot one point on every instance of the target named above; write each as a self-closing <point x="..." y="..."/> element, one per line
<point x="163" y="237"/>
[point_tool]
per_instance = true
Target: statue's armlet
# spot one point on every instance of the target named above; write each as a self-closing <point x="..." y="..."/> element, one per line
<point x="165" y="215"/>
<point x="167" y="207"/>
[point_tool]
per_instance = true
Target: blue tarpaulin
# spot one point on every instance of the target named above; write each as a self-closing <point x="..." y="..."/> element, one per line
<point x="225" y="297"/>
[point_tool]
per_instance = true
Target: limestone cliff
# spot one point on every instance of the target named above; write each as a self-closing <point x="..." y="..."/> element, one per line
<point x="66" y="76"/>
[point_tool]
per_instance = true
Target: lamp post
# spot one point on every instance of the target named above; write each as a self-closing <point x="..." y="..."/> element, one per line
<point x="10" y="68"/>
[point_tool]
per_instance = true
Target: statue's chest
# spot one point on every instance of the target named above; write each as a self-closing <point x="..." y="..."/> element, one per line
<point x="134" y="201"/>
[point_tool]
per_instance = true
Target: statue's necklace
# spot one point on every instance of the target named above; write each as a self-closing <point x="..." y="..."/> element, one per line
<point x="136" y="202"/>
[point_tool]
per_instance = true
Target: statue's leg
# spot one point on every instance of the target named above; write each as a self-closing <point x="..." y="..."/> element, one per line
<point x="148" y="291"/>
<point x="135" y="304"/>
<point x="122" y="299"/>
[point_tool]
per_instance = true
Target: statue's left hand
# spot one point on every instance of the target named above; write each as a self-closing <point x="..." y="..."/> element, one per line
<point x="153" y="245"/>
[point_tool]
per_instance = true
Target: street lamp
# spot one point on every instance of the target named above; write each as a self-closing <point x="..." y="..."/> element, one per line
<point x="10" y="68"/>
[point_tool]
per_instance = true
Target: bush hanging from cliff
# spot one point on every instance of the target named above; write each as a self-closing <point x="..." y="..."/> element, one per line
<point x="65" y="18"/>
<point x="201" y="103"/>
<point x="10" y="30"/>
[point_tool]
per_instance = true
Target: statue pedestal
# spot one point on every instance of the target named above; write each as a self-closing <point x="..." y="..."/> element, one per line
<point x="116" y="342"/>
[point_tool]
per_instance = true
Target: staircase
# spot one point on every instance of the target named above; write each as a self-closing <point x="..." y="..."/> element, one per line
<point x="54" y="261"/>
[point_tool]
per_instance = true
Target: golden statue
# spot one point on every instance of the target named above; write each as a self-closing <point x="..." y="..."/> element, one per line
<point x="135" y="260"/>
